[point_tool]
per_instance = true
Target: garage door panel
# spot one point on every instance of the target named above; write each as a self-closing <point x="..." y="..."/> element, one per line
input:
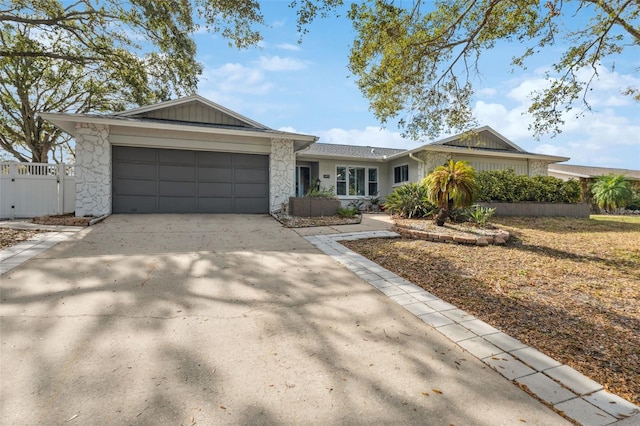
<point x="207" y="189"/>
<point x="148" y="180"/>
<point x="176" y="172"/>
<point x="175" y="156"/>
<point x="176" y="205"/>
<point x="250" y="175"/>
<point x="134" y="204"/>
<point x="176" y="188"/>
<point x="134" y="186"/>
<point x="251" y="161"/>
<point x="216" y="159"/>
<point x="215" y="175"/>
<point x="250" y="205"/>
<point x="249" y="190"/>
<point x="215" y="205"/>
<point x="132" y="170"/>
<point x="131" y="154"/>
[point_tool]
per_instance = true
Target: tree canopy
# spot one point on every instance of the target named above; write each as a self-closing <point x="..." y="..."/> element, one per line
<point x="414" y="61"/>
<point x="101" y="55"/>
<point x="418" y="63"/>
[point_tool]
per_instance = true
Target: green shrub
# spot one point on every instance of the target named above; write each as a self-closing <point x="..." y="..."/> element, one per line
<point x="506" y="186"/>
<point x="480" y="215"/>
<point x="410" y="201"/>
<point x="347" y="212"/>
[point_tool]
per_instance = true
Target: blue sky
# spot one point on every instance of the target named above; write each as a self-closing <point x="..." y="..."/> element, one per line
<point x="307" y="88"/>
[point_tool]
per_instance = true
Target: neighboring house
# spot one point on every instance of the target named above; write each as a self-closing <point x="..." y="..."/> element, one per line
<point x="191" y="155"/>
<point x="188" y="155"/>
<point x="568" y="171"/>
<point x="356" y="171"/>
<point x="588" y="174"/>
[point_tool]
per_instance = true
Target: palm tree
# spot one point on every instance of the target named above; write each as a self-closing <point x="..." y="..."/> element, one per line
<point x="451" y="185"/>
<point x="611" y="191"/>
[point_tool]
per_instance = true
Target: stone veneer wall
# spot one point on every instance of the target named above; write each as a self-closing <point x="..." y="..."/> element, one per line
<point x="93" y="170"/>
<point x="435" y="159"/>
<point x="282" y="166"/>
<point x="538" y="168"/>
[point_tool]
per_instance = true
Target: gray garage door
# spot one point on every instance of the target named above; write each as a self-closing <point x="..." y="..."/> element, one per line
<point x="148" y="180"/>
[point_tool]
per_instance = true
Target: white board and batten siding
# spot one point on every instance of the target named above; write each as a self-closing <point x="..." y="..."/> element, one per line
<point x="195" y="113"/>
<point x="481" y="164"/>
<point x="36" y="189"/>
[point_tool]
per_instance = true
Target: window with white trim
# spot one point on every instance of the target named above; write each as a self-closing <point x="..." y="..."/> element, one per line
<point x="356" y="181"/>
<point x="401" y="174"/>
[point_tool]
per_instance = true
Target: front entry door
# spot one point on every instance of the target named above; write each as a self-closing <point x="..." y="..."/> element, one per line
<point x="303" y="180"/>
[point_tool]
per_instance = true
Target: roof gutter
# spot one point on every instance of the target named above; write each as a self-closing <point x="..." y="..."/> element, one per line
<point x="418" y="160"/>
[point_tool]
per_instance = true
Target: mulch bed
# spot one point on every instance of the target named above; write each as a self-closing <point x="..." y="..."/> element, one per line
<point x="305" y="222"/>
<point x="567" y="287"/>
<point x="11" y="237"/>
<point x="63" y="220"/>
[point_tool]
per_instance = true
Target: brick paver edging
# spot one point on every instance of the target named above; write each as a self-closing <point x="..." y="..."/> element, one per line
<point x="560" y="386"/>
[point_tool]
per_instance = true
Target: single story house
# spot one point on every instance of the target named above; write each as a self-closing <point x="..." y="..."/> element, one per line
<point x="191" y="155"/>
<point x="358" y="171"/>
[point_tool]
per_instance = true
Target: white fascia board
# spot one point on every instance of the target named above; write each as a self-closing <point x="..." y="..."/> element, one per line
<point x="487" y="153"/>
<point x="303" y="156"/>
<point x="67" y="122"/>
<point x="571" y="174"/>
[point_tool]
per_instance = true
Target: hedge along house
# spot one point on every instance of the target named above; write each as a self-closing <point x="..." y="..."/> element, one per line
<point x="356" y="172"/>
<point x="188" y="155"/>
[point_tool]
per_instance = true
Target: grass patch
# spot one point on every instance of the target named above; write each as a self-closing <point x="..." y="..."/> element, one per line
<point x="567" y="287"/>
<point x="612" y="218"/>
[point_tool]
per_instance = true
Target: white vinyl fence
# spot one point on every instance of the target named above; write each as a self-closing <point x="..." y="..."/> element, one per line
<point x="36" y="189"/>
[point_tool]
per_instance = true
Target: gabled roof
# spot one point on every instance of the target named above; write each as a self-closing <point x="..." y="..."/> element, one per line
<point x="471" y="140"/>
<point x="483" y="141"/>
<point x="591" y="172"/>
<point x="199" y="120"/>
<point x="329" y="150"/>
<point x="153" y="111"/>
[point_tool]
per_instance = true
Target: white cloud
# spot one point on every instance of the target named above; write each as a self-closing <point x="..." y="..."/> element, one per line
<point x="488" y="92"/>
<point x="277" y="63"/>
<point x="233" y="78"/>
<point x="288" y="46"/>
<point x="522" y="92"/>
<point x="552" y="150"/>
<point x="509" y="122"/>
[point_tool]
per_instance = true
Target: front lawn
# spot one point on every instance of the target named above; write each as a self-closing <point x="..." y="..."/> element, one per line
<point x="567" y="287"/>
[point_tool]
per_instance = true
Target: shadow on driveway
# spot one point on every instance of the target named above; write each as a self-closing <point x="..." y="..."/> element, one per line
<point x="211" y="319"/>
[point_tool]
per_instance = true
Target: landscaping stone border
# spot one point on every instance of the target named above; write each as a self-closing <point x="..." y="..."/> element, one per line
<point x="499" y="238"/>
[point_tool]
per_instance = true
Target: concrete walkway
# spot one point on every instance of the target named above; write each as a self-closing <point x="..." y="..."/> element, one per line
<point x="18" y="254"/>
<point x="235" y="320"/>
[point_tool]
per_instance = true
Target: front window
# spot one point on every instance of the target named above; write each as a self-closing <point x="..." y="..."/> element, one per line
<point x="356" y="181"/>
<point x="401" y="174"/>
<point x="373" y="182"/>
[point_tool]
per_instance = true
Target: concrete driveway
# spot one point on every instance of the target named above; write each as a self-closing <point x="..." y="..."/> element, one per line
<point x="226" y="319"/>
